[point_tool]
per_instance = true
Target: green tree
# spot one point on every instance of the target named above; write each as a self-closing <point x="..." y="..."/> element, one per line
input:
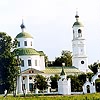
<point x="94" y="67"/>
<point x="66" y="57"/>
<point x="40" y="82"/>
<point x="8" y="63"/>
<point x="54" y="83"/>
<point x="77" y="82"/>
<point x="89" y="75"/>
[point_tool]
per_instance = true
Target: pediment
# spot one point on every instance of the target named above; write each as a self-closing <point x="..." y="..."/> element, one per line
<point x="31" y="71"/>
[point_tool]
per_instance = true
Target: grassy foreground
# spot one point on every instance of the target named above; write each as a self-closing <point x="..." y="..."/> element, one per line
<point x="58" y="97"/>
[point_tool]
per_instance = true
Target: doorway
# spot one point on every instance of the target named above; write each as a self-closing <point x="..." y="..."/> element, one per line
<point x="31" y="86"/>
<point x="88" y="88"/>
<point x="97" y="83"/>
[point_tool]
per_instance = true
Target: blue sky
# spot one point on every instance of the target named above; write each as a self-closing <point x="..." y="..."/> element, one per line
<point x="50" y="23"/>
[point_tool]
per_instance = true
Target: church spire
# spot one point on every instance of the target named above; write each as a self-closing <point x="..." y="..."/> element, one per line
<point x="62" y="72"/>
<point x="77" y="16"/>
<point x="22" y="26"/>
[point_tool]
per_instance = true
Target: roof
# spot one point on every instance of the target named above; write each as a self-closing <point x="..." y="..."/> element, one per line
<point x="41" y="53"/>
<point x="26" y="51"/>
<point x="77" y="23"/>
<point x="57" y="70"/>
<point x="24" y="35"/>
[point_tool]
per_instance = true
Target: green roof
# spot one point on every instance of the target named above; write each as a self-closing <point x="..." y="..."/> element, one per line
<point x="41" y="53"/>
<point x="26" y="51"/>
<point x="57" y="70"/>
<point x="24" y="35"/>
<point x="78" y="23"/>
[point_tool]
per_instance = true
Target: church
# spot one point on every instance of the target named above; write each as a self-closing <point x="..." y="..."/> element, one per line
<point x="33" y="61"/>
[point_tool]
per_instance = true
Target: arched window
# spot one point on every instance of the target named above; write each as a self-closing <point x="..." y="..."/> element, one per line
<point x="79" y="33"/>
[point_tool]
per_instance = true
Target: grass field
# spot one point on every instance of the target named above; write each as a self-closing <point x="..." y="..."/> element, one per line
<point x="57" y="97"/>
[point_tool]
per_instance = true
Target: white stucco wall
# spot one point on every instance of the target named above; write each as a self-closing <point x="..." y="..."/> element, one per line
<point x="29" y="40"/>
<point x="40" y="62"/>
<point x="64" y="86"/>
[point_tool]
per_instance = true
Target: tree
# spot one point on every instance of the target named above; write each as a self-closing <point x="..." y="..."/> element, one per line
<point x="66" y="57"/>
<point x="54" y="83"/>
<point x="77" y="82"/>
<point x="94" y="67"/>
<point x="40" y="82"/>
<point x="8" y="63"/>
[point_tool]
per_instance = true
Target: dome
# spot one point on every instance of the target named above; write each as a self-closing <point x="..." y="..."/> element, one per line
<point x="78" y="24"/>
<point x="24" y="35"/>
<point x="26" y="51"/>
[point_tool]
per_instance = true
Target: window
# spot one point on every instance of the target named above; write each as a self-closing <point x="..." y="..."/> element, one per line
<point x="30" y="78"/>
<point x="22" y="63"/>
<point x="31" y="71"/>
<point x="18" y="44"/>
<point x="29" y="63"/>
<point x="35" y="62"/>
<point x="82" y="62"/>
<point x="79" y="31"/>
<point x="25" y="43"/>
<point x="31" y="43"/>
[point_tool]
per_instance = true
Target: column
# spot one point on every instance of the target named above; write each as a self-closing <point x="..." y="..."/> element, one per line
<point x="17" y="86"/>
<point x="20" y="84"/>
<point x="27" y="82"/>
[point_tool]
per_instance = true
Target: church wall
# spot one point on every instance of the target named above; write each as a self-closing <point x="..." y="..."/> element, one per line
<point x="42" y="63"/>
<point x="77" y="63"/>
<point x="32" y="58"/>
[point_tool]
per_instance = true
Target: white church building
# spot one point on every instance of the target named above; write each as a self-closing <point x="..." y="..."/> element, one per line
<point x="33" y="61"/>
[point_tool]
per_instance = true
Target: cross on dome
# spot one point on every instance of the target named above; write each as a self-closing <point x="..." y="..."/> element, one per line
<point x="77" y="16"/>
<point x="22" y="26"/>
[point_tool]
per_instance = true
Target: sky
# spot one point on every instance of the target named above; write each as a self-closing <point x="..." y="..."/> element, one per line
<point x="50" y="23"/>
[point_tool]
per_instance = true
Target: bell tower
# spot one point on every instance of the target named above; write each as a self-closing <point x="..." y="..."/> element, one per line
<point x="79" y="59"/>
